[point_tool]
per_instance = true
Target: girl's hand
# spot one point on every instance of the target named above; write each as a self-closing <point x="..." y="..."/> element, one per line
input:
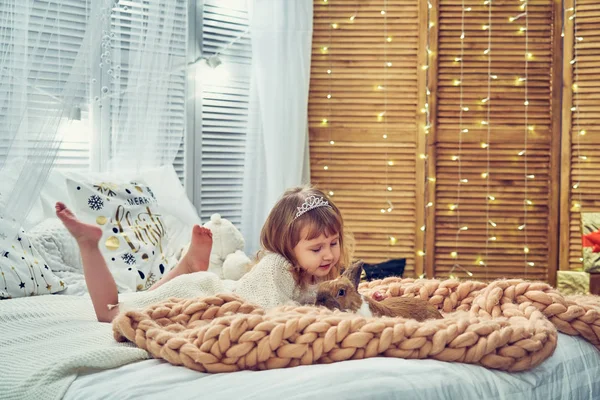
<point x="377" y="296"/>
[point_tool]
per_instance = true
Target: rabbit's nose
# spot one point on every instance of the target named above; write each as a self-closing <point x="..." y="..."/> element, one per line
<point x="322" y="298"/>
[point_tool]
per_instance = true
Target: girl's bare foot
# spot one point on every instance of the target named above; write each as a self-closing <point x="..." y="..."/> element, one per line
<point x="198" y="255"/>
<point x="84" y="233"/>
<point x="195" y="260"/>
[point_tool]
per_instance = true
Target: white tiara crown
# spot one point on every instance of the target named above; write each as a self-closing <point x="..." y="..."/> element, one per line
<point x="310" y="203"/>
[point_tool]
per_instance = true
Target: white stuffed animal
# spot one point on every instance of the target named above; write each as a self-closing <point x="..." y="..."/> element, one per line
<point x="227" y="258"/>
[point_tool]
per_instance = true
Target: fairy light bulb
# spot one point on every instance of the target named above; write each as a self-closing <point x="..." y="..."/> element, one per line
<point x="331" y="193"/>
<point x="454" y="254"/>
<point x="331" y="142"/>
<point x="325" y="167"/>
<point x="334" y="26"/>
<point x="393" y="240"/>
<point x="420" y="253"/>
<point x="492" y="223"/>
<point x="491" y="198"/>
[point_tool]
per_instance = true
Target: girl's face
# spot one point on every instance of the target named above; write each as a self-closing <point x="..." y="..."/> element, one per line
<point x="317" y="256"/>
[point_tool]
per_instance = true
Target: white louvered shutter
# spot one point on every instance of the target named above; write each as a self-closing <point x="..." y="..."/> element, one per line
<point x="225" y="94"/>
<point x="55" y="34"/>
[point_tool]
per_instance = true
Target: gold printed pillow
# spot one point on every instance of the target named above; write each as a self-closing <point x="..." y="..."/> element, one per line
<point x="134" y="236"/>
<point x="23" y="272"/>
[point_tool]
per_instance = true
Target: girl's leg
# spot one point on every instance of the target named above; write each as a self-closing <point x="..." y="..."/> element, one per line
<point x="195" y="260"/>
<point x="99" y="280"/>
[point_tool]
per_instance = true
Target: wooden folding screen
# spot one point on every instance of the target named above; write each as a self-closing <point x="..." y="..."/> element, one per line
<point x="471" y="193"/>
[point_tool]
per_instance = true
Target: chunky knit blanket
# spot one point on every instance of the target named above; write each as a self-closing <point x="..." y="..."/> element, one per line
<point x="507" y="325"/>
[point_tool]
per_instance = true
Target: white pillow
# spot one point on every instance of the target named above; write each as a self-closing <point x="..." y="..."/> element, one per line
<point x="23" y="272"/>
<point x="134" y="236"/>
<point x="172" y="203"/>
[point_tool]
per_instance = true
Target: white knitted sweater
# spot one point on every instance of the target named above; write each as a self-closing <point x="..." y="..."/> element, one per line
<point x="45" y="341"/>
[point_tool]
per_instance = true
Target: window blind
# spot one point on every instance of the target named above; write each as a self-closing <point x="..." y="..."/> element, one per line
<point x="54" y="32"/>
<point x="225" y="94"/>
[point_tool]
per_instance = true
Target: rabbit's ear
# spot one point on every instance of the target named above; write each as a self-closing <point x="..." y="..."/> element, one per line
<point x="353" y="273"/>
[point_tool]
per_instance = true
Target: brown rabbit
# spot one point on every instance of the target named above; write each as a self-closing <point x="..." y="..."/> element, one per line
<point x="342" y="293"/>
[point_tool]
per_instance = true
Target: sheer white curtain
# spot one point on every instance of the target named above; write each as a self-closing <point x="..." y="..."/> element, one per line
<point x="276" y="150"/>
<point x="44" y="78"/>
<point x="121" y="63"/>
<point x="143" y="67"/>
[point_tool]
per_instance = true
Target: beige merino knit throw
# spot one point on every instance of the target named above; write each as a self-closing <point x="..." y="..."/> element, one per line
<point x="508" y="325"/>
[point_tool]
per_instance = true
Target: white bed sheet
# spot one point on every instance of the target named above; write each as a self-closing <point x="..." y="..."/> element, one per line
<point x="573" y="372"/>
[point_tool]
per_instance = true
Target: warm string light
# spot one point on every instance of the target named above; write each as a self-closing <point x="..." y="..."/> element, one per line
<point x="462" y="109"/>
<point x="326" y="50"/>
<point x="383" y="116"/>
<point x="487" y="101"/>
<point x="426" y="129"/>
<point x="575" y="108"/>
<point x="329" y="95"/>
<point x="526" y="201"/>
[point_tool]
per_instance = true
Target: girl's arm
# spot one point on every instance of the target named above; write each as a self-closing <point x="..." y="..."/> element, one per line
<point x="269" y="283"/>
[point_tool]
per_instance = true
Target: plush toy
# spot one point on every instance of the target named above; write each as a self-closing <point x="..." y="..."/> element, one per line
<point x="227" y="258"/>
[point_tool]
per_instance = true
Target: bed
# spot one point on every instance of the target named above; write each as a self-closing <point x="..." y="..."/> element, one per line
<point x="571" y="373"/>
<point x="72" y="356"/>
<point x="52" y="347"/>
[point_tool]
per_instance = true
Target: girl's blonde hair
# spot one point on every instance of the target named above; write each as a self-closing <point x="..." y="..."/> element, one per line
<point x="281" y="231"/>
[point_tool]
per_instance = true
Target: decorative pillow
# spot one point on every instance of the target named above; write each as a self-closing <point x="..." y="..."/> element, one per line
<point x="590" y="228"/>
<point x="134" y="237"/>
<point x="393" y="267"/>
<point x="23" y="272"/>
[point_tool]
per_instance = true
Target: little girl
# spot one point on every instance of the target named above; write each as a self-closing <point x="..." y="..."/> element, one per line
<point x="302" y="241"/>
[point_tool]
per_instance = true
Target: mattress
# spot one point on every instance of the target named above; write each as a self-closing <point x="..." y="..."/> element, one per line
<point x="570" y="373"/>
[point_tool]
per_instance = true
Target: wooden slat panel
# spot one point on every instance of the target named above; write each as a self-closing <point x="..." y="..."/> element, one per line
<point x="358" y="160"/>
<point x="584" y="149"/>
<point x="507" y="177"/>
